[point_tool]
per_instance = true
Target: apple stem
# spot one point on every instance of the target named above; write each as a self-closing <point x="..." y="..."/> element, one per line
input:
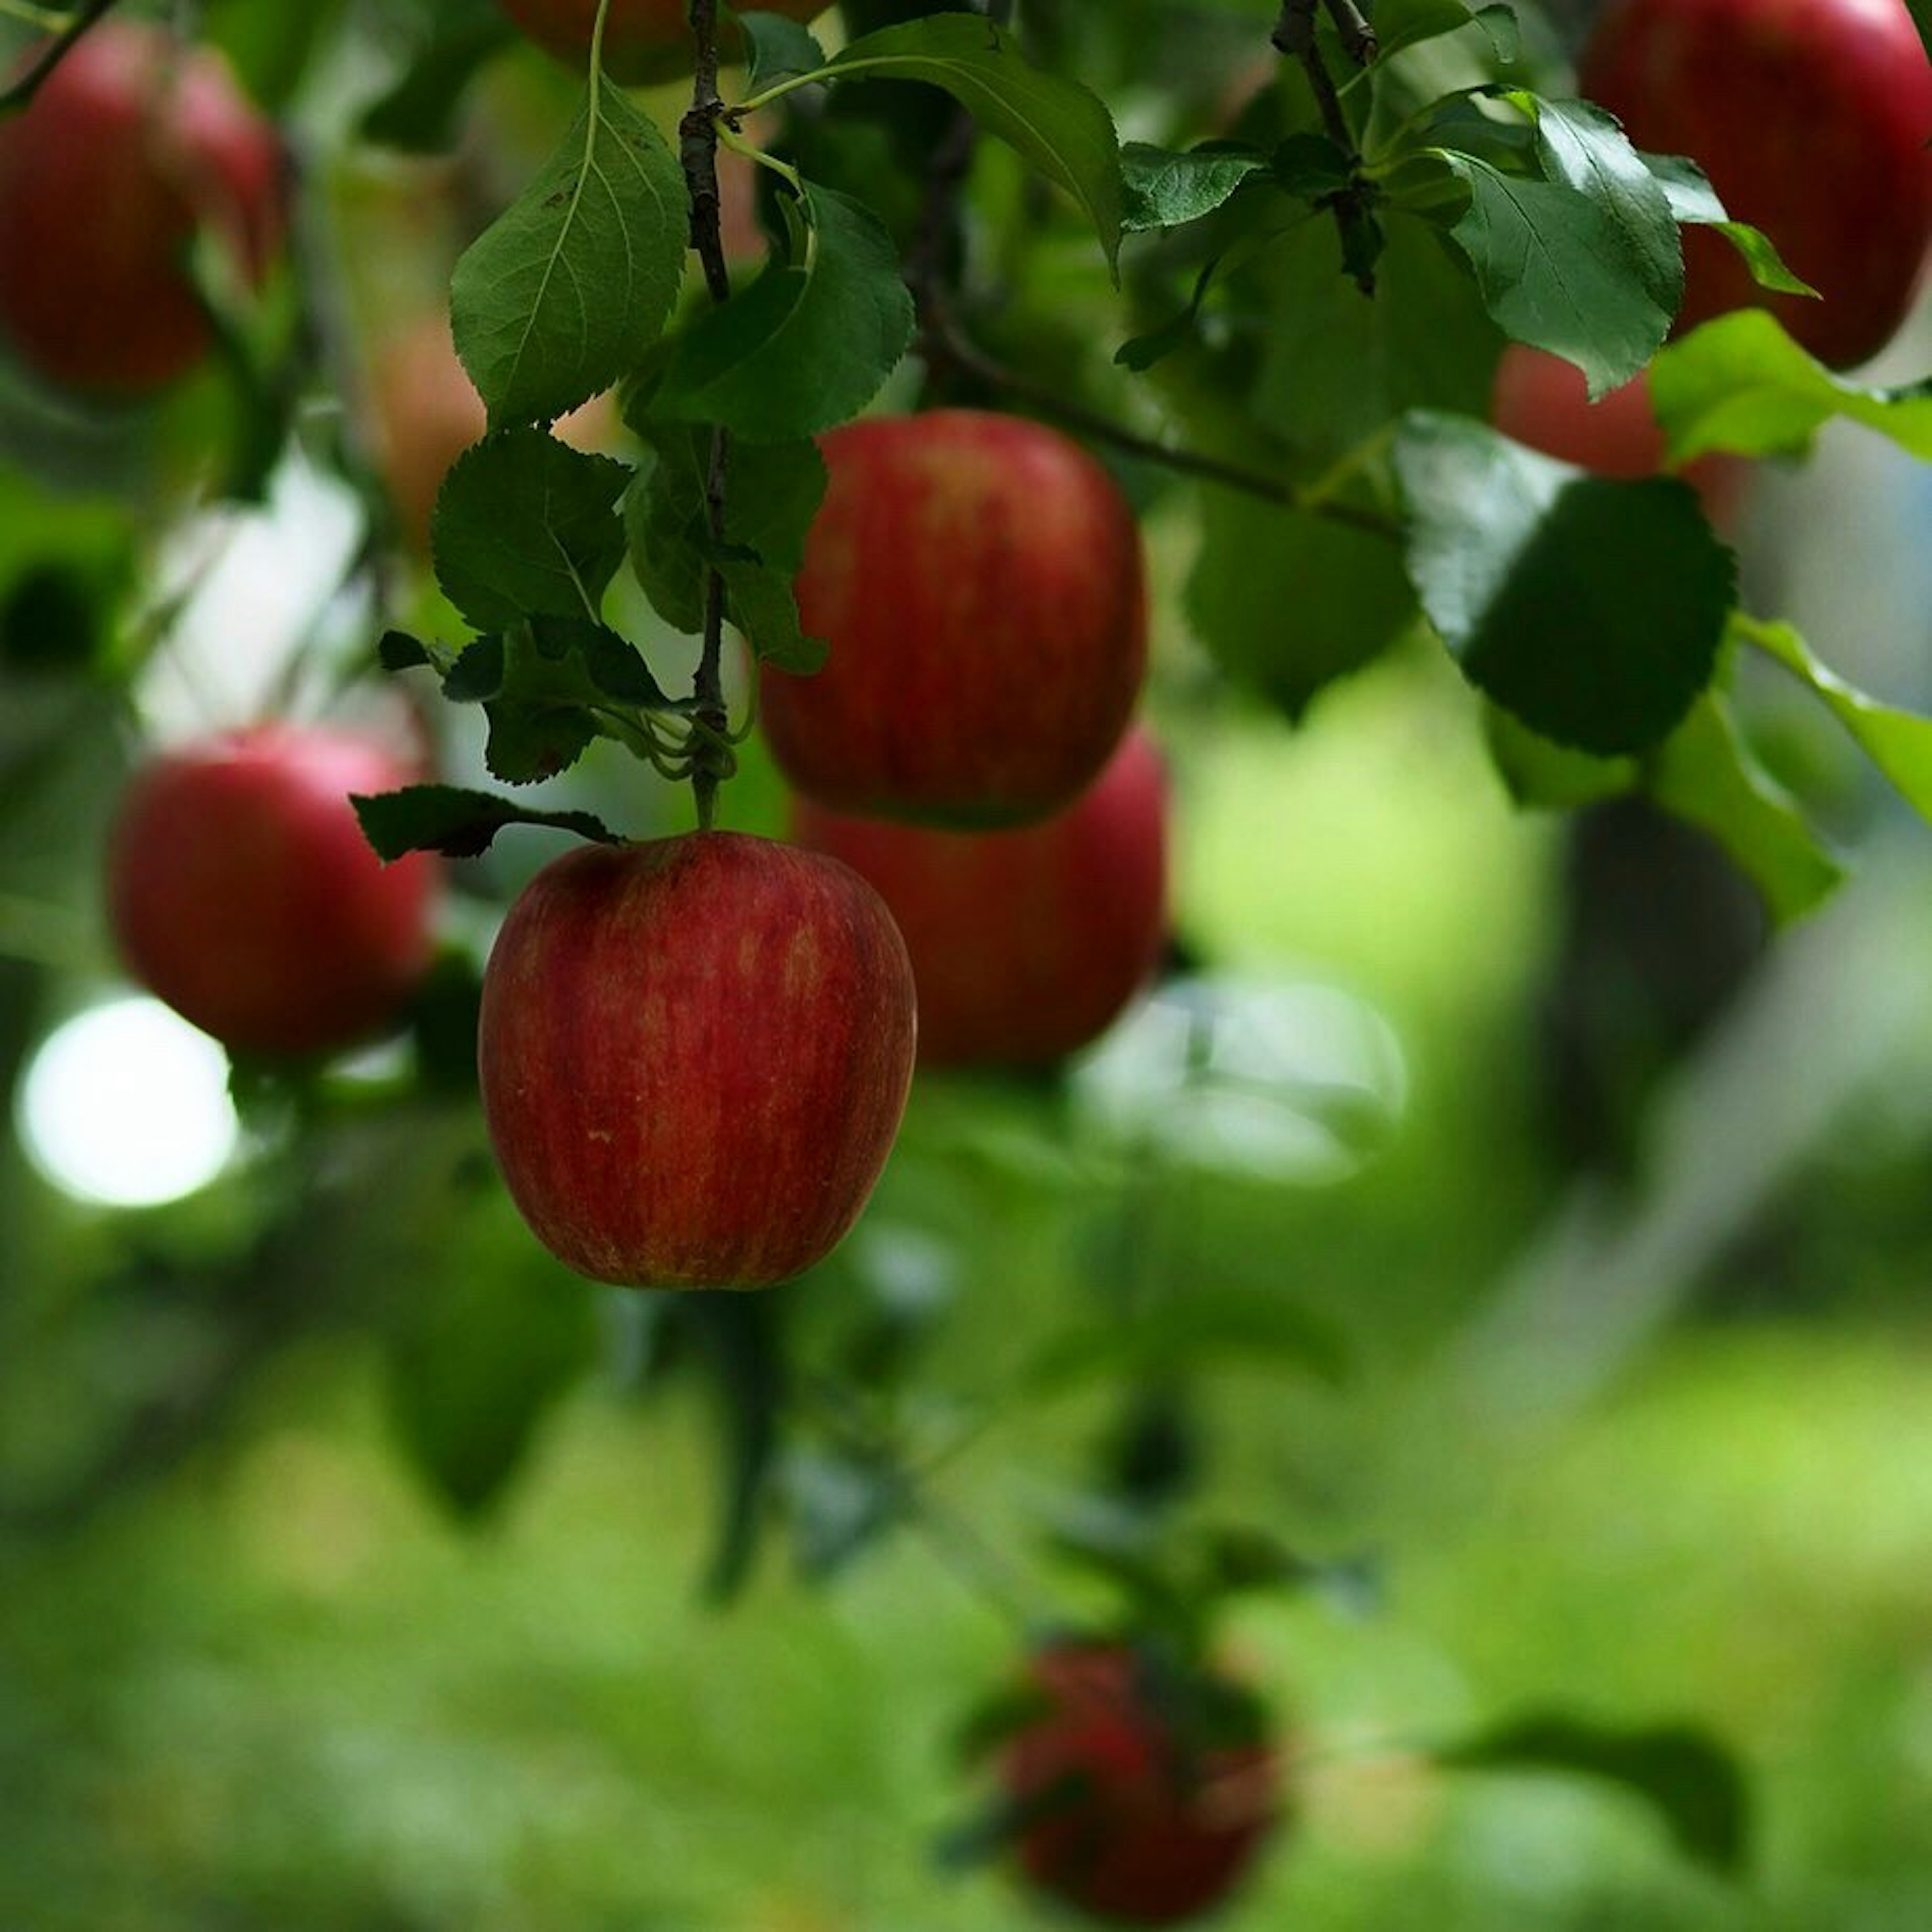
<point x="17" y="97"/>
<point x="697" y="148"/>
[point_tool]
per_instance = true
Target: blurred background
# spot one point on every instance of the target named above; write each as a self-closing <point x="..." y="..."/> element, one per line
<point x="1484" y="1209"/>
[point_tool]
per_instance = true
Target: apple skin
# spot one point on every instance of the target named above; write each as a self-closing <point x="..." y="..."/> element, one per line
<point x="979" y="579"/>
<point x="129" y="148"/>
<point x="1810" y="117"/>
<point x="241" y="890"/>
<point x="645" y="41"/>
<point x="695" y="1055"/>
<point x="1127" y="1818"/>
<point x="1543" y="401"/>
<point x="1025" y="944"/>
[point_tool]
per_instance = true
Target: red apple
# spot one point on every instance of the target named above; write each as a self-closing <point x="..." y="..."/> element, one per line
<point x="1025" y="944"/>
<point x="644" y="40"/>
<point x="695" y="1055"/>
<point x="132" y="145"/>
<point x="978" y="577"/>
<point x="1811" y="117"/>
<point x="241" y="891"/>
<point x="1144" y="1789"/>
<point x="1543" y="401"/>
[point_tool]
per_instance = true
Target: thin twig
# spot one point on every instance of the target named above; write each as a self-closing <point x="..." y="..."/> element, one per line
<point x="698" y="148"/>
<point x="1294" y="37"/>
<point x="20" y="95"/>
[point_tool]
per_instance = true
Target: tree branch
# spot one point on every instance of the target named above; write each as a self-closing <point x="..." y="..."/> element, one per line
<point x="19" y="96"/>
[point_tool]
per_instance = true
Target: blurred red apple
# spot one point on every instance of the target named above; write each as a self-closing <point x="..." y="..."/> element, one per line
<point x="694" y="1053"/>
<point x="241" y="891"/>
<point x="1543" y="401"/>
<point x="1811" y="117"/>
<point x="132" y="145"/>
<point x="1025" y="944"/>
<point x="978" y="577"/>
<point x="1143" y="1789"/>
<point x="644" y="40"/>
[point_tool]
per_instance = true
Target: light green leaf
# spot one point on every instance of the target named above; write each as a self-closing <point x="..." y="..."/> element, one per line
<point x="1063" y="128"/>
<point x="566" y="291"/>
<point x="1899" y="743"/>
<point x="1741" y="383"/>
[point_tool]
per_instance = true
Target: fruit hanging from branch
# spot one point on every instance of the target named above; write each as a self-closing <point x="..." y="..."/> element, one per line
<point x="133" y="146"/>
<point x="1142" y="1788"/>
<point x="979" y="579"/>
<point x="1811" y="119"/>
<point x="694" y="1053"/>
<point x="241" y="891"/>
<point x="645" y="41"/>
<point x="1026" y="944"/>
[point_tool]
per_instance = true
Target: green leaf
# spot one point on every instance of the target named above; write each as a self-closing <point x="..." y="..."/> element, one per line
<point x="567" y="290"/>
<point x="1704" y="773"/>
<point x="777" y="45"/>
<point x="1554" y="270"/>
<point x="1593" y="610"/>
<point x="1538" y="774"/>
<point x="1288" y="603"/>
<point x="419" y="114"/>
<point x="460" y="823"/>
<point x="1408" y="23"/>
<point x="1741" y="383"/>
<point x="525" y="524"/>
<point x="743" y="1345"/>
<point x="1692" y="1782"/>
<point x="1063" y="128"/>
<point x="774" y="492"/>
<point x="1163" y="189"/>
<point x="1899" y="743"/>
<point x="1583" y="148"/>
<point x="807" y="345"/>
<point x="1694" y="201"/>
<point x="482" y="1350"/>
<point x="1195" y="1328"/>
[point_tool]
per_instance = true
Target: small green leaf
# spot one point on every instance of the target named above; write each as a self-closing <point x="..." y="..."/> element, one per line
<point x="1740" y="383"/>
<point x="526" y="524"/>
<point x="1593" y="610"/>
<point x="397" y="650"/>
<point x="1690" y="1780"/>
<point x="777" y="45"/>
<point x="1163" y="189"/>
<point x="1694" y="202"/>
<point x="567" y="291"/>
<point x="1704" y="773"/>
<point x="1063" y="128"/>
<point x="807" y="345"/>
<point x="1899" y="743"/>
<point x="460" y="823"/>
<point x="1538" y="774"/>
<point x="1554" y="270"/>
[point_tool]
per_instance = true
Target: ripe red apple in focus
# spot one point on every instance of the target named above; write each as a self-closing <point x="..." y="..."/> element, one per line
<point x="1026" y="943"/>
<point x="644" y="40"/>
<point x="1811" y="117"/>
<point x="1145" y="1789"/>
<point x="131" y="145"/>
<point x="241" y="891"/>
<point x="978" y="577"/>
<point x="694" y="1053"/>
<point x="1543" y="401"/>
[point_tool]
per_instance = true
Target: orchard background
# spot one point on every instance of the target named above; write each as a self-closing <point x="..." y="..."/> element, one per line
<point x="1472" y="1298"/>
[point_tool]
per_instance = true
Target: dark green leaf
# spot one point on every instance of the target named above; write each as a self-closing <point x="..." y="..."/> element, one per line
<point x="1163" y="189"/>
<point x="1593" y="610"/>
<point x="742" y="1342"/>
<point x="1691" y="1780"/>
<point x="524" y="524"/>
<point x="1288" y="603"/>
<point x="567" y="291"/>
<point x="447" y="819"/>
<point x="1061" y="127"/>
<point x="1741" y="383"/>
<point x="398" y="651"/>
<point x="1312" y="166"/>
<point x="808" y="344"/>
<point x="777" y="46"/>
<point x="419" y="113"/>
